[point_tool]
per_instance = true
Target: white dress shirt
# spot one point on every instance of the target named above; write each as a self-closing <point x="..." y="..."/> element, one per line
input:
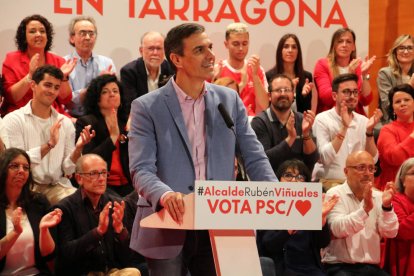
<point x="29" y="132"/>
<point x="355" y="234"/>
<point x="327" y="124"/>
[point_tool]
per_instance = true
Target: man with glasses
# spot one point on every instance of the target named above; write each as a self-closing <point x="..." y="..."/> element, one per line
<point x="148" y="72"/>
<point x="359" y="220"/>
<point x="285" y="134"/>
<point x="92" y="236"/>
<point x="341" y="131"/>
<point x="82" y="35"/>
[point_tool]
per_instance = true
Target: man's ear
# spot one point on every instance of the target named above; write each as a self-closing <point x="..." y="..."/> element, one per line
<point x="140" y="50"/>
<point x="78" y="178"/>
<point x="334" y="95"/>
<point x="176" y="60"/>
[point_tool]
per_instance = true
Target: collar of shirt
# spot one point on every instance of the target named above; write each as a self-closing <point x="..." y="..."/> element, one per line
<point x="88" y="203"/>
<point x="80" y="60"/>
<point x="27" y="109"/>
<point x="182" y="96"/>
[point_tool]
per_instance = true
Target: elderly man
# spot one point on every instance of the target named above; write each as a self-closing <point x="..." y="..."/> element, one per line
<point x="92" y="236"/>
<point x="83" y="33"/>
<point x="47" y="136"/>
<point x="148" y="72"/>
<point x="359" y="220"/>
<point x="284" y="133"/>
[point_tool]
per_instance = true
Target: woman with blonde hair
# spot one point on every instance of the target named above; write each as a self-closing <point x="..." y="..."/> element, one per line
<point x="342" y="59"/>
<point x="400" y="70"/>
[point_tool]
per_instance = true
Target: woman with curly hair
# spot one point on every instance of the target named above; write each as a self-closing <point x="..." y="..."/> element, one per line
<point x="108" y="118"/>
<point x="34" y="38"/>
<point x="26" y="245"/>
<point x="342" y="59"/>
<point x="400" y="70"/>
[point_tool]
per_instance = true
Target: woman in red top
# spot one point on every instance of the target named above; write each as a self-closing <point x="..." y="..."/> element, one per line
<point x="342" y="59"/>
<point x="396" y="139"/>
<point x="399" y="253"/>
<point x="108" y="118"/>
<point x="34" y="38"/>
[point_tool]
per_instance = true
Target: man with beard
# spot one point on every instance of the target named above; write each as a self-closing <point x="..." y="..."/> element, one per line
<point x="359" y="220"/>
<point x="82" y="35"/>
<point x="284" y="133"/>
<point x="341" y="131"/>
<point x="248" y="73"/>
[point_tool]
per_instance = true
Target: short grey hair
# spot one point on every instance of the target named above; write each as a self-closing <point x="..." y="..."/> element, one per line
<point x="402" y="172"/>
<point x="76" y="20"/>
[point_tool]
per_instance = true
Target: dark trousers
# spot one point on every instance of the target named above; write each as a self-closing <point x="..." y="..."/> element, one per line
<point x="196" y="258"/>
<point x="358" y="269"/>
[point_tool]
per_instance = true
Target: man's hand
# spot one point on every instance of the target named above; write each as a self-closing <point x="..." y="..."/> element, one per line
<point x="388" y="194"/>
<point x="367" y="196"/>
<point x="345" y="115"/>
<point x="254" y="63"/>
<point x="104" y="219"/>
<point x="307" y="122"/>
<point x="118" y="216"/>
<point x="54" y="132"/>
<point x="327" y="206"/>
<point x="174" y="204"/>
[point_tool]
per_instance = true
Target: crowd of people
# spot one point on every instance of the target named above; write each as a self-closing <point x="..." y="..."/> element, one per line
<point x="85" y="155"/>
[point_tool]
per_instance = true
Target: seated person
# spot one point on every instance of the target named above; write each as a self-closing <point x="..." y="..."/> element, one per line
<point x="107" y="117"/>
<point x="359" y="220"/>
<point x="26" y="245"/>
<point x="92" y="237"/>
<point x="296" y="252"/>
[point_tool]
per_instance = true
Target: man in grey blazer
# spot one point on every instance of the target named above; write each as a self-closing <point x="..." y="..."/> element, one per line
<point x="178" y="136"/>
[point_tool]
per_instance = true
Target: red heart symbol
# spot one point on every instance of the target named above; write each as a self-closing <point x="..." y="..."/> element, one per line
<point x="303" y="206"/>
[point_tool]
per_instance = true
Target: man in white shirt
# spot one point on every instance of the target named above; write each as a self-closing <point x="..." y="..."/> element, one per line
<point x="359" y="220"/>
<point x="341" y="131"/>
<point x="47" y="136"/>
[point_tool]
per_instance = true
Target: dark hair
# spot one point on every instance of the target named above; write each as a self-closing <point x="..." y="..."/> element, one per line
<point x="20" y="38"/>
<point x="298" y="68"/>
<point x="296" y="165"/>
<point x="39" y="73"/>
<point x="343" y="78"/>
<point x="279" y="76"/>
<point x="93" y="96"/>
<point x="399" y="88"/>
<point x="173" y="42"/>
<point x="26" y="194"/>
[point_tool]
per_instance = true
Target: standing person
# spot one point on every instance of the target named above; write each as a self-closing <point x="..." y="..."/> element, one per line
<point x="83" y="33"/>
<point x="34" y="39"/>
<point x="399" y="252"/>
<point x="289" y="62"/>
<point x="284" y="133"/>
<point x="400" y="70"/>
<point x="359" y="220"/>
<point x="248" y="73"/>
<point x="107" y="118"/>
<point x="47" y="136"/>
<point x="26" y="245"/>
<point x="148" y="72"/>
<point x="396" y="139"/>
<point x="342" y="59"/>
<point x="178" y="136"/>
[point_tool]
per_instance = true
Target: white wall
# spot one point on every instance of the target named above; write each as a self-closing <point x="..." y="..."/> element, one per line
<point x="120" y="27"/>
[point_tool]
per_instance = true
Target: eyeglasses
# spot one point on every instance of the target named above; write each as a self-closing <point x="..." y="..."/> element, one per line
<point x="402" y="49"/>
<point x="290" y="177"/>
<point x="363" y="168"/>
<point x="348" y="92"/>
<point x="85" y="33"/>
<point x="282" y="89"/>
<point x="16" y="166"/>
<point x="94" y="175"/>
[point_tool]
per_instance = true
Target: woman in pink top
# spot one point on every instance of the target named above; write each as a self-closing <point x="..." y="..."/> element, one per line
<point x="396" y="139"/>
<point x="342" y="59"/>
<point x="34" y="38"/>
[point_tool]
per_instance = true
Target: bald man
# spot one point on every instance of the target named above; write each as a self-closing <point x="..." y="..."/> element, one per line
<point x="359" y="220"/>
<point x="148" y="72"/>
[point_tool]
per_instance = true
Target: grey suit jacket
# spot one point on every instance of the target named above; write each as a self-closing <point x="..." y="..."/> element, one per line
<point x="160" y="157"/>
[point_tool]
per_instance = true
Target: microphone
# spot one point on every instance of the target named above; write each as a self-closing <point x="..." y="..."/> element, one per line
<point x="241" y="168"/>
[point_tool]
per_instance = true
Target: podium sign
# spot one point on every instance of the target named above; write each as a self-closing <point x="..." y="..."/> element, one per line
<point x="258" y="205"/>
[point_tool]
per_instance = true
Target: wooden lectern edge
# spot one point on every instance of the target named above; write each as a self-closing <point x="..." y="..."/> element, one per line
<point x="162" y="219"/>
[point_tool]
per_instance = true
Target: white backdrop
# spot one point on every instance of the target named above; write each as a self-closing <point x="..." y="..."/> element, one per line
<point x="122" y="22"/>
